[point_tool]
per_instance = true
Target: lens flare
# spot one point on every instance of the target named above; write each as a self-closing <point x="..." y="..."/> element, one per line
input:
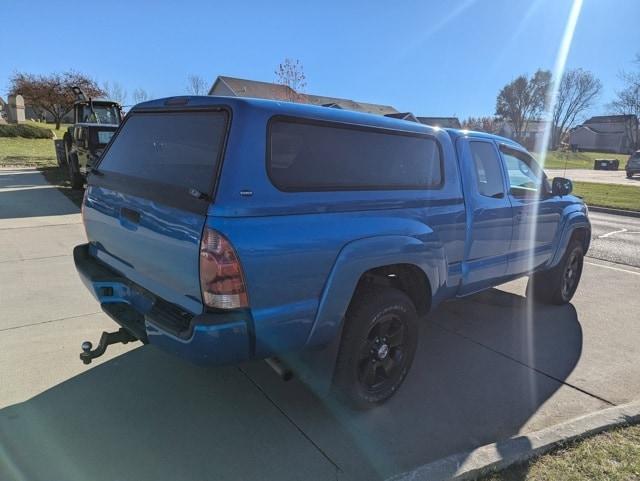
<point x="542" y="147"/>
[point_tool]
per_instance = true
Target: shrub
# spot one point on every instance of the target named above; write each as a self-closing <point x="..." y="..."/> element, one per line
<point x="25" y="131"/>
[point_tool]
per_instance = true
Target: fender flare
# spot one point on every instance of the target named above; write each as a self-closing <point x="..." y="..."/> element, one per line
<point x="574" y="220"/>
<point x="359" y="256"/>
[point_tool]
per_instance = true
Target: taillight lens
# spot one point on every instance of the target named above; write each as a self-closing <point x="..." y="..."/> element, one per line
<point x="221" y="280"/>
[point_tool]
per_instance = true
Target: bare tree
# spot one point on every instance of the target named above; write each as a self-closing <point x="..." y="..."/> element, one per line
<point x="196" y="85"/>
<point x="490" y="125"/>
<point x="627" y="101"/>
<point x="290" y="73"/>
<point x="115" y="91"/>
<point x="52" y="93"/>
<point x="523" y="100"/>
<point x="577" y="92"/>
<point x="139" y="95"/>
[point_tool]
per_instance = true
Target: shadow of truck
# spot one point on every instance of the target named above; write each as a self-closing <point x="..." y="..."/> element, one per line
<point x="148" y="416"/>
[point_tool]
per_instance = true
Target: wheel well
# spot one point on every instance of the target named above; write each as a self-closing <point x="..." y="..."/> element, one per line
<point x="407" y="278"/>
<point x="580" y="235"/>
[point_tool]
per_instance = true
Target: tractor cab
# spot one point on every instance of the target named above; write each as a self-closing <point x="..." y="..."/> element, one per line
<point x="95" y="122"/>
<point x="90" y="111"/>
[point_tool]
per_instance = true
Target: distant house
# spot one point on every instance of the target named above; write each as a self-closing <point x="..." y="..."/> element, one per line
<point x="443" y="122"/>
<point x="606" y="133"/>
<point x="532" y="135"/>
<point x="237" y="87"/>
<point x="348" y="104"/>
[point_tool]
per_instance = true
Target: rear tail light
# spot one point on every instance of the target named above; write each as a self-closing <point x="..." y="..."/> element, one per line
<point x="221" y="280"/>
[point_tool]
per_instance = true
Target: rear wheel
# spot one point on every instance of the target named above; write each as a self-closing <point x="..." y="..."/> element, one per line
<point x="559" y="284"/>
<point x="67" y="147"/>
<point x="77" y="182"/>
<point x="378" y="344"/>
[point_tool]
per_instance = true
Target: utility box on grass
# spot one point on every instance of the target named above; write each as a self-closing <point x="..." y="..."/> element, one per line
<point x="606" y="164"/>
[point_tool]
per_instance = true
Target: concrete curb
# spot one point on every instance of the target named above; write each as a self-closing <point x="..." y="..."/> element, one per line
<point x="608" y="210"/>
<point x="497" y="456"/>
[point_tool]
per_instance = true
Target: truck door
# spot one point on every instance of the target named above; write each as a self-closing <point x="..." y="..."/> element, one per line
<point x="536" y="214"/>
<point x="489" y="215"/>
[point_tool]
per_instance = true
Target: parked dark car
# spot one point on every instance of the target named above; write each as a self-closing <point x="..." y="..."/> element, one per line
<point x="633" y="164"/>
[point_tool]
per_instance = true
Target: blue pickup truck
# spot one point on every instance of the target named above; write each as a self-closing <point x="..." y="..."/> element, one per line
<point x="227" y="229"/>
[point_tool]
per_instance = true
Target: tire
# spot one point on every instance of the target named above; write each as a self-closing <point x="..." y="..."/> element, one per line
<point x="558" y="285"/>
<point x="377" y="348"/>
<point x="75" y="178"/>
<point x="629" y="175"/>
<point x="67" y="148"/>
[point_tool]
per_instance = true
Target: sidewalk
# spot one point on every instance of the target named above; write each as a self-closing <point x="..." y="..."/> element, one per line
<point x="487" y="369"/>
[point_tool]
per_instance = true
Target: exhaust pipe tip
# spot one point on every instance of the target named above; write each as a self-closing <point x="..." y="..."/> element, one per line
<point x="284" y="372"/>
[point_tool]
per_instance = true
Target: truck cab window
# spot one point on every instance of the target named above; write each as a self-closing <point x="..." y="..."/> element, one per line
<point x="487" y="169"/>
<point x="526" y="178"/>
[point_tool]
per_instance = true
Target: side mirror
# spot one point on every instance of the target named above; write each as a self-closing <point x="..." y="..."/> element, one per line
<point x="561" y="186"/>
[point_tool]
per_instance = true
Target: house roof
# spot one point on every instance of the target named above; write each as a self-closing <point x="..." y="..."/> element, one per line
<point x="266" y="90"/>
<point x="348" y="104"/>
<point x="255" y="88"/>
<point x="597" y="131"/>
<point x="445" y="122"/>
<point x="606" y="119"/>
<point x="403" y="116"/>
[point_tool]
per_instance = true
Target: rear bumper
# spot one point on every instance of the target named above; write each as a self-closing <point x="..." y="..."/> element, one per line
<point x="208" y="338"/>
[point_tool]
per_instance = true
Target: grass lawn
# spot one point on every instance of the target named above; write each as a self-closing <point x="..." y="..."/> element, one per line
<point x="609" y="195"/>
<point x="610" y="456"/>
<point x="579" y="160"/>
<point x="16" y="151"/>
<point x="59" y="132"/>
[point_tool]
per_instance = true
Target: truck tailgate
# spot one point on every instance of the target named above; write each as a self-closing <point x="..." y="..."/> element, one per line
<point x="144" y="212"/>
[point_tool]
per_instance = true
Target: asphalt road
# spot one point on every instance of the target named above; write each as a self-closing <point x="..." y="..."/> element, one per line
<point x="488" y="367"/>
<point x="598" y="176"/>
<point x="615" y="238"/>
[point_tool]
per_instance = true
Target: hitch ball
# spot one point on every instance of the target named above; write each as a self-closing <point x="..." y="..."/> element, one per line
<point x="107" y="338"/>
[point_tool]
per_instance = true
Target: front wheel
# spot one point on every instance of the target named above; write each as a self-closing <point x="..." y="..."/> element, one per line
<point x="378" y="344"/>
<point x="75" y="177"/>
<point x="559" y="284"/>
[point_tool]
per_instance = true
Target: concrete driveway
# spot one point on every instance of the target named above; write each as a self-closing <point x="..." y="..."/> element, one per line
<point x="598" y="176"/>
<point x="489" y="367"/>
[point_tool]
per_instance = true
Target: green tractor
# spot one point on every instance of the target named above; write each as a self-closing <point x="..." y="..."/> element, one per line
<point x="94" y="123"/>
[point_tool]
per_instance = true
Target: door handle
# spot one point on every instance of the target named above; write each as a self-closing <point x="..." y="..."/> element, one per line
<point x="130" y="215"/>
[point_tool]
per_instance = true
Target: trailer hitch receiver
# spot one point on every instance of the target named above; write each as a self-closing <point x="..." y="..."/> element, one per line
<point x="120" y="336"/>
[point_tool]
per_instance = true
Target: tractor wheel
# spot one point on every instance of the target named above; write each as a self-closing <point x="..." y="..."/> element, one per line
<point x="75" y="177"/>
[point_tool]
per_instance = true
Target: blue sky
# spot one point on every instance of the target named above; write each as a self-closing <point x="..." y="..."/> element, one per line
<point x="429" y="57"/>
